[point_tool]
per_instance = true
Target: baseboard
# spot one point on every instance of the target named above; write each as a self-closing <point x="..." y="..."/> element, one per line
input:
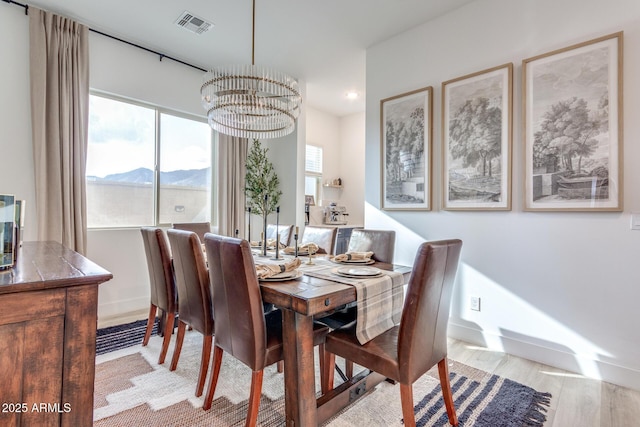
<point x="598" y="369"/>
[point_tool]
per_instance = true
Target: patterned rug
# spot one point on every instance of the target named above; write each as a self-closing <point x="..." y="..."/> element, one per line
<point x="131" y="389"/>
<point x="122" y="336"/>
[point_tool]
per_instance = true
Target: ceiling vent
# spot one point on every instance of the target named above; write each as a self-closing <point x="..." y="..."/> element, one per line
<point x="192" y="23"/>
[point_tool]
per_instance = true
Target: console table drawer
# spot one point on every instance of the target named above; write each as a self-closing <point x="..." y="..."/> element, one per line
<point x="21" y="307"/>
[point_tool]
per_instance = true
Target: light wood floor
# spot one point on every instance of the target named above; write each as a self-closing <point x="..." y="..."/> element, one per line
<point x="577" y="401"/>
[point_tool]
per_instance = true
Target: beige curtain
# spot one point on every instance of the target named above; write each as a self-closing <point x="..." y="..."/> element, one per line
<point x="232" y="160"/>
<point x="59" y="60"/>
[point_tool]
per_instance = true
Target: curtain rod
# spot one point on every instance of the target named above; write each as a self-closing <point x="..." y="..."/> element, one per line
<point x="160" y="55"/>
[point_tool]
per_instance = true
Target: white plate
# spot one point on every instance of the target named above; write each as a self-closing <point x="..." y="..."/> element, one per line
<point x="356" y="261"/>
<point x="349" y="276"/>
<point x="287" y="275"/>
<point x="359" y="271"/>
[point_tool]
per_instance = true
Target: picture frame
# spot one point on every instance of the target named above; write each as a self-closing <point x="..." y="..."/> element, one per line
<point x="406" y="141"/>
<point x="477" y="122"/>
<point x="573" y="127"/>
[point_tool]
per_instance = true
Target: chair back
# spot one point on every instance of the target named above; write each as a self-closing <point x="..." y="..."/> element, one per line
<point x="200" y="228"/>
<point x="163" y="287"/>
<point x="285" y="231"/>
<point x="240" y="322"/>
<point x="381" y="242"/>
<point x="324" y="237"/>
<point x="423" y="328"/>
<point x="192" y="281"/>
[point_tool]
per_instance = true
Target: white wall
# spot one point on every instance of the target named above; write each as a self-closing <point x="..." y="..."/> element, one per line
<point x="352" y="155"/>
<point x="283" y="154"/>
<point x="16" y="170"/>
<point x="561" y="288"/>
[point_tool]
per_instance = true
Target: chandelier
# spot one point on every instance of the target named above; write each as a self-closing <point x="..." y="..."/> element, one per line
<point x="251" y="101"/>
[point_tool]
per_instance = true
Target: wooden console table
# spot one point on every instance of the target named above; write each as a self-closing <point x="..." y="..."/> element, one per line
<point x="48" y="321"/>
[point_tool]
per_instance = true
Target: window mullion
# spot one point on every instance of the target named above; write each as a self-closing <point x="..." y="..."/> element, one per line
<point x="156" y="173"/>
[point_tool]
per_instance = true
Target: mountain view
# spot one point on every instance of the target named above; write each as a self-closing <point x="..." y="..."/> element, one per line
<point x="185" y="178"/>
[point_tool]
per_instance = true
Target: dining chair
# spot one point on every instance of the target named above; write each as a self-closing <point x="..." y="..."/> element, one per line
<point x="163" y="287"/>
<point x="242" y="328"/>
<point x="194" y="297"/>
<point x="200" y="228"/>
<point x="324" y="237"/>
<point x="285" y="232"/>
<point x="407" y="351"/>
<point x="382" y="244"/>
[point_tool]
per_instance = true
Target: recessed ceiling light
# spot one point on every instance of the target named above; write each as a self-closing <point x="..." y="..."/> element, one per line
<point x="352" y="95"/>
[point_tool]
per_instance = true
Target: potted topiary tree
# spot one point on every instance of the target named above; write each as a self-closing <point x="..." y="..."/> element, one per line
<point x="261" y="187"/>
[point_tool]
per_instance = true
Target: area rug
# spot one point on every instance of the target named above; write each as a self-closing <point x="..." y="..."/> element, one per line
<point x="122" y="336"/>
<point x="131" y="389"/>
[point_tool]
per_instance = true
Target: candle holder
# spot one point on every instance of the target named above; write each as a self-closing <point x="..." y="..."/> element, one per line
<point x="295" y="240"/>
<point x="249" y="231"/>
<point x="277" y="257"/>
<point x="264" y="225"/>
<point x="310" y="262"/>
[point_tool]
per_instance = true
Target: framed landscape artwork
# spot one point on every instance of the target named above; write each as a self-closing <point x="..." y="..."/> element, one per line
<point x="573" y="127"/>
<point x="405" y="135"/>
<point x="476" y="135"/>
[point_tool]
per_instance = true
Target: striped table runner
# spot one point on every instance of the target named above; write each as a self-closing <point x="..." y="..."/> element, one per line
<point x="379" y="299"/>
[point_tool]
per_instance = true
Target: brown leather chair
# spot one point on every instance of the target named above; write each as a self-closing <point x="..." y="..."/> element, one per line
<point x="200" y="228"/>
<point x="163" y="287"/>
<point x="242" y="328"/>
<point x="381" y="242"/>
<point x="324" y="237"/>
<point x="194" y="297"/>
<point x="285" y="231"/>
<point x="406" y="352"/>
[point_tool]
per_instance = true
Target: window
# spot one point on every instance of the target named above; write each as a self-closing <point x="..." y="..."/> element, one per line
<point x="313" y="172"/>
<point x="146" y="166"/>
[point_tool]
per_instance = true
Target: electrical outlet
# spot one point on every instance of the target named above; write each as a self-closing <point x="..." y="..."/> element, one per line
<point x="474" y="303"/>
<point x="635" y="220"/>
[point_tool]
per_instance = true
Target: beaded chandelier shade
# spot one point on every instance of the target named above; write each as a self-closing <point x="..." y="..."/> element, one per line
<point x="251" y="101"/>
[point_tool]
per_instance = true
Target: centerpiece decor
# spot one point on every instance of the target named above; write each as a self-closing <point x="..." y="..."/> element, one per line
<point x="261" y="187"/>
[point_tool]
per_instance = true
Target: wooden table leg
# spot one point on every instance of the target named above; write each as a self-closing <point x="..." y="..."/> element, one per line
<point x="299" y="369"/>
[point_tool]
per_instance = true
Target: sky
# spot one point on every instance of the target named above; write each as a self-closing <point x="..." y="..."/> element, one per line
<point x="122" y="135"/>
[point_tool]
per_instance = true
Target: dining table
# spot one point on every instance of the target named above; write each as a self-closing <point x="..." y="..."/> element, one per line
<point x="303" y="299"/>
